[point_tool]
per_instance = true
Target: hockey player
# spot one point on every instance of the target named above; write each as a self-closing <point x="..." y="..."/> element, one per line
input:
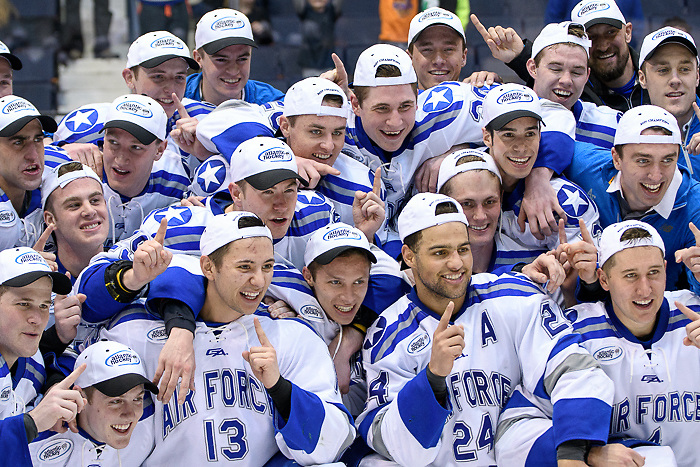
<point x="441" y="362"/>
<point x="109" y="433"/>
<point x="637" y="337"/>
<point x="223" y="46"/>
<point x="11" y="62"/>
<point x="256" y="391"/>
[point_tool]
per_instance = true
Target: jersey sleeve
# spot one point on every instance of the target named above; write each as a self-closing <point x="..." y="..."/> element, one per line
<point x="557" y="137"/>
<point x="12" y="228"/>
<point x="13" y="441"/>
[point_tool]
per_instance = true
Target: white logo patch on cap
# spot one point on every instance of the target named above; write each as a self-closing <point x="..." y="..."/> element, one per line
<point x="30" y="258"/>
<point x="166" y="43"/>
<point x="433" y="14"/>
<point x="664" y="33"/>
<point x="229" y="22"/>
<point x="55" y="450"/>
<point x="341" y="232"/>
<point x="275" y="155"/>
<point x="593" y="7"/>
<point x="122" y="358"/>
<point x="516" y="97"/>
<point x="135" y="108"/>
<point x="17" y="105"/>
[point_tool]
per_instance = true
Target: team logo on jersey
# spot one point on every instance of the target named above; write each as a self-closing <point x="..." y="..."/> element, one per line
<point x="651" y="379"/>
<point x="380" y="327"/>
<point x="342" y="233"/>
<point x="55" y="450"/>
<point x="5" y="394"/>
<point x="82" y="120"/>
<point x="275" y="155"/>
<point x="176" y="215"/>
<point x="593" y="7"/>
<point x="418" y="343"/>
<point x="167" y="43"/>
<point x="157" y="335"/>
<point x="439" y="98"/>
<point x="215" y="352"/>
<point x="134" y="108"/>
<point x="7" y="217"/>
<point x="573" y="201"/>
<point x="608" y="354"/>
<point x="122" y="358"/>
<point x="311" y="312"/>
<point x="211" y="175"/>
<point x="516" y="96"/>
<point x="310" y="198"/>
<point x="30" y="258"/>
<point x="17" y="105"/>
<point x="229" y="22"/>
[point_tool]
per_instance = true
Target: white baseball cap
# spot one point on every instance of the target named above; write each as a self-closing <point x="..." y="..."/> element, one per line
<point x="330" y="241"/>
<point x="62" y="175"/>
<point x="665" y="36"/>
<point x="21" y="266"/>
<point x="226" y="228"/>
<point x="140" y="115"/>
<point x="419" y="214"/>
<point x="223" y="27"/>
<point x="16" y="112"/>
<point x="610" y="242"/>
<point x="637" y="119"/>
<point x="507" y="102"/>
<point x="465" y="160"/>
<point x="432" y="16"/>
<point x="383" y="54"/>
<point x="112" y="368"/>
<point x="306" y="98"/>
<point x="590" y="12"/>
<point x="558" y="33"/>
<point x="154" y="48"/>
<point x="15" y="62"/>
<point x="263" y="162"/>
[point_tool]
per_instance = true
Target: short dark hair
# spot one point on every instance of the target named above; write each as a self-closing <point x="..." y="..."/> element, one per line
<point x="383" y="71"/>
<point x="631" y="234"/>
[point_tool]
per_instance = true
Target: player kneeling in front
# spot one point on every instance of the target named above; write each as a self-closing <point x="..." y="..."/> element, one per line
<point x="114" y="385"/>
<point x="441" y="362"/>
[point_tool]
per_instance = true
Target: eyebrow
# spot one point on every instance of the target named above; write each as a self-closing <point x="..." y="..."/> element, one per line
<point x="533" y="127"/>
<point x="447" y="247"/>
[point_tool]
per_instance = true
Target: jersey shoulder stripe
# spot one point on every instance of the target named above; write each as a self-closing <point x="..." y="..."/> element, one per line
<point x="393" y="333"/>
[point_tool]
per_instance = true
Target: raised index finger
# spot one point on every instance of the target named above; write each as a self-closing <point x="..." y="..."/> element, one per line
<point x="479" y="27"/>
<point x="690" y="314"/>
<point x="446" y="317"/>
<point x="377" y="185"/>
<point x="585" y="234"/>
<point x="162" y="229"/>
<point x="562" y="232"/>
<point x="261" y="334"/>
<point x="70" y="379"/>
<point x="41" y="243"/>
<point x="696" y="233"/>
<point x="181" y="110"/>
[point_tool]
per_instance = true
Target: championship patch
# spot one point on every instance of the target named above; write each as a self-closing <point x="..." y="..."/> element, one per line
<point x="418" y="343"/>
<point x="311" y="312"/>
<point x="157" y="335"/>
<point x="56" y="450"/>
<point x="7" y="217"/>
<point x="608" y="354"/>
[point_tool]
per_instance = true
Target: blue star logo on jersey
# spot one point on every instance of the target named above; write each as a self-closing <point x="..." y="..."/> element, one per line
<point x="211" y="175"/>
<point x="81" y="120"/>
<point x="439" y="98"/>
<point x="573" y="201"/>
<point x="176" y="215"/>
<point x="310" y="198"/>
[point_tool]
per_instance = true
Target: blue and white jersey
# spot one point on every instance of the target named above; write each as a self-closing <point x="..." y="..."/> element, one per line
<point x="231" y="417"/>
<point x="83" y="125"/>
<point x="656" y="386"/>
<point x="595" y="124"/>
<point x="212" y="176"/>
<point x="514" y="246"/>
<point x="514" y="334"/>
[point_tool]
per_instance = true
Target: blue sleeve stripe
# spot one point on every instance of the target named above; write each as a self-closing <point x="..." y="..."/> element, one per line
<point x="590" y="322"/>
<point x="564" y="343"/>
<point x="346" y="184"/>
<point x="227" y="141"/>
<point x="293" y="286"/>
<point x="588" y="126"/>
<point x="293" y="273"/>
<point x="425" y="134"/>
<point x="603" y="143"/>
<point x="515" y="254"/>
<point x="403" y="327"/>
<point x="303" y="429"/>
<point x="599" y="334"/>
<point x="420" y="412"/>
<point x="367" y="422"/>
<point x="543" y="451"/>
<point x="566" y="418"/>
<point x="517" y="400"/>
<point x="301" y="230"/>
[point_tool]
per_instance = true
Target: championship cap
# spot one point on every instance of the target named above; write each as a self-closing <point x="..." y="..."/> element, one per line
<point x="465" y="160"/>
<point x="21" y="266"/>
<point x="507" y="102"/>
<point x="560" y="33"/>
<point x="421" y="213"/>
<point x="140" y="115"/>
<point x="330" y="241"/>
<point x="264" y="162"/>
<point x="62" y="175"/>
<point x="306" y="98"/>
<point x="221" y="28"/>
<point x="637" y="119"/>
<point x="226" y="228"/>
<point x="16" y="112"/>
<point x="611" y="239"/>
<point x="591" y="12"/>
<point x="15" y="62"/>
<point x="383" y="54"/>
<point x="112" y="368"/>
<point x="432" y="16"/>
<point x="154" y="48"/>
<point x="663" y="36"/>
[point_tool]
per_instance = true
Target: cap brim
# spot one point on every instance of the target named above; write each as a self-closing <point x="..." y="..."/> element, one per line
<point x="333" y="253"/>
<point x="502" y="120"/>
<point x="154" y="62"/>
<point x="213" y="47"/>
<point x="140" y="133"/>
<point x="265" y="180"/>
<point x="15" y="62"/>
<point x="616" y="23"/>
<point x="48" y="124"/>
<point x="120" y="384"/>
<point x="677" y="40"/>
<point x="61" y="283"/>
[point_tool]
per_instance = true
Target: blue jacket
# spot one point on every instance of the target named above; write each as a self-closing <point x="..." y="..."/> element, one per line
<point x="694" y="158"/>
<point x="255" y="92"/>
<point x="592" y="169"/>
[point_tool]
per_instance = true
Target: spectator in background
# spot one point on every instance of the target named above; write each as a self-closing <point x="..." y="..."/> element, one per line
<point x="678" y="23"/>
<point x="318" y="19"/>
<point x="560" y="10"/>
<point x="395" y="17"/>
<point x="7" y="66"/>
<point x="259" y="16"/>
<point x="72" y="34"/>
<point x="164" y="15"/>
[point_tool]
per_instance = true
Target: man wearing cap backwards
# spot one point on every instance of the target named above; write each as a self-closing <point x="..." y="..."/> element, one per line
<point x="434" y="389"/>
<point x="643" y="181"/>
<point x="223" y="47"/>
<point x="637" y="335"/>
<point x="11" y="62"/>
<point x="114" y="385"/>
<point x="26" y="283"/>
<point x="263" y="385"/>
<point x="21" y="168"/>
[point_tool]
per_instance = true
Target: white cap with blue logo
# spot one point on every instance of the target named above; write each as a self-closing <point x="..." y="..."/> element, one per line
<point x="330" y="241"/>
<point x="223" y="27"/>
<point x="156" y="47"/>
<point x="263" y="162"/>
<point x="140" y="115"/>
<point x="226" y="228"/>
<point x="16" y="112"/>
<point x="21" y="266"/>
<point x="507" y="102"/>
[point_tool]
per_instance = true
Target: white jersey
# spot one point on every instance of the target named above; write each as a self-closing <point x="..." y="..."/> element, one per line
<point x="17" y="394"/>
<point x="231" y="417"/>
<point x="595" y="124"/>
<point x="514" y="334"/>
<point x="656" y="385"/>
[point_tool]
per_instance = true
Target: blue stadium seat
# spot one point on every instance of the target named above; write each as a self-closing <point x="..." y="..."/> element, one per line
<point x="265" y="64"/>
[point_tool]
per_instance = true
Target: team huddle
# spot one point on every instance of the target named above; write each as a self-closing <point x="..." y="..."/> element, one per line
<point x="402" y="269"/>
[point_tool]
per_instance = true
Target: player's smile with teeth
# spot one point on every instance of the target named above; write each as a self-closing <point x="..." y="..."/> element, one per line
<point x="121" y="428"/>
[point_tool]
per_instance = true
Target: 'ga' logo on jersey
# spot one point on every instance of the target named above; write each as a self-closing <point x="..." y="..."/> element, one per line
<point x="55" y="450"/>
<point x="651" y="379"/>
<point x="215" y="352"/>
